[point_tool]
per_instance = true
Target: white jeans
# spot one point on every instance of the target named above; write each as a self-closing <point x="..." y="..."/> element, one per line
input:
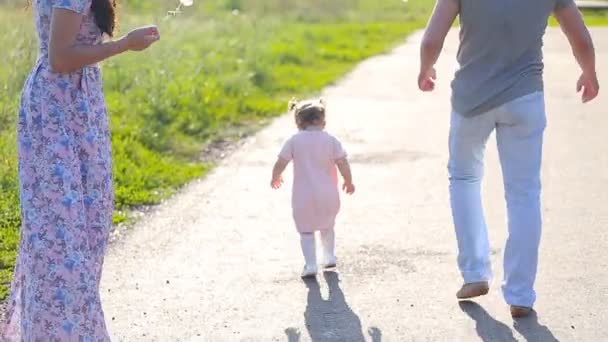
<point x="328" y="241"/>
<point x="519" y="127"/>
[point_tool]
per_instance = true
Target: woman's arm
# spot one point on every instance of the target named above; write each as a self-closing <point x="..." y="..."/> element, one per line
<point x="65" y="55"/>
<point x="439" y="25"/>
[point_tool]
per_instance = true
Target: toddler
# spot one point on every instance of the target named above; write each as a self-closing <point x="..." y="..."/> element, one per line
<point x="315" y="197"/>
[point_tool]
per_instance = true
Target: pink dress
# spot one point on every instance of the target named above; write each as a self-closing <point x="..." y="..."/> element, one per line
<point x="315" y="196"/>
<point x="66" y="196"/>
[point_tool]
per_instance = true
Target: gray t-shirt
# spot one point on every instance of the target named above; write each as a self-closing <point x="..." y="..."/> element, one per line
<point x="500" y="53"/>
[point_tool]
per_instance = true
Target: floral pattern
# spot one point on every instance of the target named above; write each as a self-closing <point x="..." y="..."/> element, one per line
<point x="66" y="195"/>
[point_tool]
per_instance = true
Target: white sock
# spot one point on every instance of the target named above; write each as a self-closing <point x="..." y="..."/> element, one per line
<point x="328" y="240"/>
<point x="307" y="241"/>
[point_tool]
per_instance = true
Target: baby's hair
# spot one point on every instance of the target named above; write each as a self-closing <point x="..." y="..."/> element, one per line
<point x="307" y="113"/>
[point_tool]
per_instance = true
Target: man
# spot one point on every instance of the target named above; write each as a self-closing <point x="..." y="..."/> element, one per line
<point x="499" y="86"/>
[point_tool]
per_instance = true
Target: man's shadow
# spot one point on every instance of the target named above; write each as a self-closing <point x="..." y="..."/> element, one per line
<point x="533" y="331"/>
<point x="490" y="329"/>
<point x="331" y="319"/>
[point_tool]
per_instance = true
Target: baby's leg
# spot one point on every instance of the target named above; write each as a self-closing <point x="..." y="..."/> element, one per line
<point x="307" y="241"/>
<point x="328" y="240"/>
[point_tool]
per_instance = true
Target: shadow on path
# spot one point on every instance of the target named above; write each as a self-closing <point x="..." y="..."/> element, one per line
<point x="332" y="319"/>
<point x="490" y="329"/>
<point x="533" y="331"/>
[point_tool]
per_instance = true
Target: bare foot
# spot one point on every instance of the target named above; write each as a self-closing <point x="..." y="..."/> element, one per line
<point x="473" y="290"/>
<point x="520" y="311"/>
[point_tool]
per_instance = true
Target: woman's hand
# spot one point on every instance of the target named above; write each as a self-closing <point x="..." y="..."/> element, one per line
<point x="141" y="38"/>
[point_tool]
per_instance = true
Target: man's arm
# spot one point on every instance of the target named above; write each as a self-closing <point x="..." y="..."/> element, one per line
<point x="573" y="26"/>
<point x="439" y="25"/>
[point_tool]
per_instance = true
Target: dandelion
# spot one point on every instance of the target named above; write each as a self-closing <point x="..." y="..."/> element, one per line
<point x="178" y="9"/>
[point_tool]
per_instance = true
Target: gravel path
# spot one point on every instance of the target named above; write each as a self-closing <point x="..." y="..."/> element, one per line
<point x="220" y="261"/>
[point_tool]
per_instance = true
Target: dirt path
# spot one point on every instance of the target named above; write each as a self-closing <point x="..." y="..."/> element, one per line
<point x="220" y="262"/>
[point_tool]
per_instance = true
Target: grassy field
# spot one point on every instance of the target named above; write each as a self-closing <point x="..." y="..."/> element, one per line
<point x="592" y="18"/>
<point x="223" y="65"/>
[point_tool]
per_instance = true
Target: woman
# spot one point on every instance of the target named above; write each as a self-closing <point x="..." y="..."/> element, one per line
<point x="65" y="174"/>
<point x="499" y="86"/>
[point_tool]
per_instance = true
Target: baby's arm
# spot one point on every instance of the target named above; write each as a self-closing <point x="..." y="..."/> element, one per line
<point x="277" y="171"/>
<point x="344" y="168"/>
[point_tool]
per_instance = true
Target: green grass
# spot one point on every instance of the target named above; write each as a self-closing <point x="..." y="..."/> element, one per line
<point x="592" y="18"/>
<point x="596" y="18"/>
<point x="214" y="70"/>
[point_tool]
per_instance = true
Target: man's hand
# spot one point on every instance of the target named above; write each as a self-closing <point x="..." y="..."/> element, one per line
<point x="439" y="25"/>
<point x="573" y="26"/>
<point x="589" y="85"/>
<point x="426" y="80"/>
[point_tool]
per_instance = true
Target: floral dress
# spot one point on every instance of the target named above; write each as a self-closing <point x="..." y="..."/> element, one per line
<point x="66" y="195"/>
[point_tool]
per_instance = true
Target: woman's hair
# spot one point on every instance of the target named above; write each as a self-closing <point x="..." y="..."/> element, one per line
<point x="105" y="15"/>
<point x="104" y="12"/>
<point x="308" y="113"/>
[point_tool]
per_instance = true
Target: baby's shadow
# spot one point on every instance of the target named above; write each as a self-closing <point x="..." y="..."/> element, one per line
<point x="331" y="319"/>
